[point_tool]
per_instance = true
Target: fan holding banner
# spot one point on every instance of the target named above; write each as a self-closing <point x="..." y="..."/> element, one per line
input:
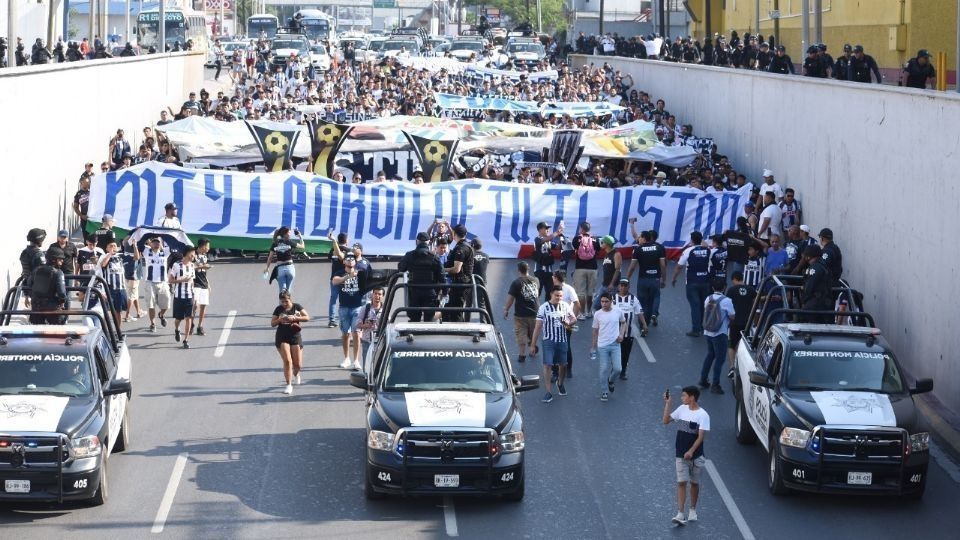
<point x="326" y="138"/>
<point x="434" y="156"/>
<point x="276" y="142"/>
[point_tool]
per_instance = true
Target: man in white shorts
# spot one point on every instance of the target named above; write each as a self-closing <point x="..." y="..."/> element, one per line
<point x="154" y="258"/>
<point x="201" y="285"/>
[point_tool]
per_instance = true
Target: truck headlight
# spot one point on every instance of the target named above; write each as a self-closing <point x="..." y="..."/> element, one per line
<point x="84" y="447"/>
<point x="794" y="437"/>
<point x="380" y="440"/>
<point x="920" y="442"/>
<point x="512" y="442"/>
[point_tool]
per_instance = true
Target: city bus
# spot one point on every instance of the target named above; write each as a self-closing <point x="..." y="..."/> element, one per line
<point x="317" y="25"/>
<point x="182" y="24"/>
<point x="264" y="24"/>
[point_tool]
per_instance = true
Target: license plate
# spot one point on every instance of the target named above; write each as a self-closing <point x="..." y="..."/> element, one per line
<point x="446" y="480"/>
<point x="16" y="486"/>
<point x="861" y="478"/>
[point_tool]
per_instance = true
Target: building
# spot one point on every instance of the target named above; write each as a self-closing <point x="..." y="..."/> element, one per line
<point x="625" y="17"/>
<point x="890" y="30"/>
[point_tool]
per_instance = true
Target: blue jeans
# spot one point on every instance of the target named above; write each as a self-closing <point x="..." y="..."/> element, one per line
<point x="608" y="358"/>
<point x="285" y="275"/>
<point x="697" y="294"/>
<point x="334" y="300"/>
<point x="716" y="355"/>
<point x="555" y="352"/>
<point x="648" y="293"/>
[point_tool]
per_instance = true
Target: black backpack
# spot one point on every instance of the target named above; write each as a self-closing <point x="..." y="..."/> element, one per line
<point x="44" y="284"/>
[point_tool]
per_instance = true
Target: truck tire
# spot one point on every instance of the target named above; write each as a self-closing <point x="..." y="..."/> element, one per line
<point x="517" y="494"/>
<point x="368" y="491"/>
<point x="123" y="437"/>
<point x="775" y="474"/>
<point x="745" y="434"/>
<point x="100" y="496"/>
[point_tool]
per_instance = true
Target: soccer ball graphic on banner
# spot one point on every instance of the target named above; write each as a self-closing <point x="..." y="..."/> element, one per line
<point x="435" y="152"/>
<point x="276" y="143"/>
<point x="328" y="134"/>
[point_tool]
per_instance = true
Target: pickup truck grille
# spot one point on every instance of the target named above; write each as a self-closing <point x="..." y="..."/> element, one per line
<point x="19" y="451"/>
<point x="865" y="445"/>
<point x="456" y="446"/>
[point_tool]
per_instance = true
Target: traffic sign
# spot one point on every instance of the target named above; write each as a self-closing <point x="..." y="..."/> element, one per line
<point x="384" y="3"/>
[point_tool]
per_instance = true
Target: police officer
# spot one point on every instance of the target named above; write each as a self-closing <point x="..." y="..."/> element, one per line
<point x="842" y="65"/>
<point x="817" y="283"/>
<point x="460" y="265"/>
<point x="763" y="57"/>
<point x="812" y="64"/>
<point x="861" y="65"/>
<point x="781" y="62"/>
<point x="39" y="54"/>
<point x="918" y="70"/>
<point x="32" y="257"/>
<point x="49" y="289"/>
<point x="423" y="268"/>
<point x="832" y="257"/>
<point x="825" y="58"/>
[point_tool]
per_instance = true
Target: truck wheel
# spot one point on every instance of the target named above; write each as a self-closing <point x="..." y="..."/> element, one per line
<point x="100" y="496"/>
<point x="745" y="434"/>
<point x="917" y="495"/>
<point x="123" y="437"/>
<point x="775" y="476"/>
<point x="368" y="491"/>
<point x="517" y="494"/>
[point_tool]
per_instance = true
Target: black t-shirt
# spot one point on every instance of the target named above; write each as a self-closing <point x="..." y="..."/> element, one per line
<point x="104" y="237"/>
<point x="609" y="267"/>
<point x="200" y="276"/>
<point x="352" y="289"/>
<point x="525" y="291"/>
<point x="582" y="264"/>
<point x="70" y="257"/>
<point x="480" y="262"/>
<point x="833" y="260"/>
<point x="283" y="251"/>
<point x="82" y="198"/>
<point x="543" y="255"/>
<point x="737" y="243"/>
<point x="464" y="253"/>
<point x="336" y="268"/>
<point x="648" y="258"/>
<point x="284" y="332"/>
<point x="742" y="297"/>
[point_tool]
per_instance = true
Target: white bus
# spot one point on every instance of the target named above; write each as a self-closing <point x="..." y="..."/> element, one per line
<point x="262" y="25"/>
<point x="182" y="24"/>
<point x="317" y="25"/>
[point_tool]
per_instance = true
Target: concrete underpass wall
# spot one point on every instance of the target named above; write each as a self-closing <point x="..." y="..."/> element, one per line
<point x="876" y="164"/>
<point x="57" y="117"/>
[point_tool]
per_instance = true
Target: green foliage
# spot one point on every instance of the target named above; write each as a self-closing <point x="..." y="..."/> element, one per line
<point x="551" y="11"/>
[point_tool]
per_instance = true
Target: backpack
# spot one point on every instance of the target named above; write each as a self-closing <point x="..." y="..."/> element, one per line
<point x="713" y="314"/>
<point x="586" y="250"/>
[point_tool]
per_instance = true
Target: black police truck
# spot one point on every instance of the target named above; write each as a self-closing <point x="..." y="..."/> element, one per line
<point x="443" y="414"/>
<point x="829" y="402"/>
<point x="64" y="391"/>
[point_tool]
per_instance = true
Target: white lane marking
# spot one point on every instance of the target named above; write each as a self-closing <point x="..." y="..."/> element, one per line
<point x="945" y="462"/>
<point x="646" y="350"/>
<point x="169" y="494"/>
<point x="729" y="502"/>
<point x="450" y="517"/>
<point x="225" y="335"/>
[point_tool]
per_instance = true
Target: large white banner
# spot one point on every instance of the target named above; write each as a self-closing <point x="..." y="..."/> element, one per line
<point x="386" y="217"/>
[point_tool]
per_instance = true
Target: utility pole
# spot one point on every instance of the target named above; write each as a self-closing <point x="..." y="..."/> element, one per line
<point x="776" y="22"/>
<point x="818" y="20"/>
<point x="757" y="17"/>
<point x="162" y="28"/>
<point x="460" y="17"/>
<point x="708" y="20"/>
<point x="956" y="59"/>
<point x="539" y="17"/>
<point x="12" y="16"/>
<point x="600" y="29"/>
<point x="126" y="22"/>
<point x="804" y="26"/>
<point x="662" y="9"/>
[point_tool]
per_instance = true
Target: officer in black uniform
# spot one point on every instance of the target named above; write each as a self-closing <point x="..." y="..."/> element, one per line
<point x="832" y="257"/>
<point x="825" y="58"/>
<point x="918" y="70"/>
<point x="32" y="256"/>
<point x="842" y="65"/>
<point x="817" y="284"/>
<point x="480" y="262"/>
<point x="460" y="265"/>
<point x="812" y="65"/>
<point x="781" y="63"/>
<point x="861" y="65"/>
<point x="763" y="57"/>
<point x="49" y="289"/>
<point x="423" y="268"/>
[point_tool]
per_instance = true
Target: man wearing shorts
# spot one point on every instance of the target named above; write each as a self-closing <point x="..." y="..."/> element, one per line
<point x="111" y="267"/>
<point x="523" y="294"/>
<point x="131" y="271"/>
<point x="181" y="276"/>
<point x="154" y="258"/>
<point x="352" y="286"/>
<point x="585" y="268"/>
<point x="553" y="319"/>
<point x="201" y="286"/>
<point x="693" y="423"/>
<point x="742" y="296"/>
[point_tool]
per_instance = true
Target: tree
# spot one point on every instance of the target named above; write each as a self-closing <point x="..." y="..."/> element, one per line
<point x="551" y="11"/>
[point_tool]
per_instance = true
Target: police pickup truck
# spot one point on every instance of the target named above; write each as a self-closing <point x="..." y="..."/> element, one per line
<point x="443" y="414"/>
<point x="64" y="391"/>
<point x="829" y="402"/>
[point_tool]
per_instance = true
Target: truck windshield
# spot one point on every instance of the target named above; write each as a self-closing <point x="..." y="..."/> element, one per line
<point x="50" y="373"/>
<point x="457" y="370"/>
<point x="525" y="47"/>
<point x="844" y="371"/>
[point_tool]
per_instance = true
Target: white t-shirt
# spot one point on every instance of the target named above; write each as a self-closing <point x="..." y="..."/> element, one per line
<point x="774" y="187"/>
<point x="169" y="222"/>
<point x="689" y="423"/>
<point x="608" y="324"/>
<point x="776" y="217"/>
<point x="570" y="294"/>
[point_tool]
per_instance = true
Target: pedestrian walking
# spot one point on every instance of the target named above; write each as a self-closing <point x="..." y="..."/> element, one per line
<point x="585" y="267"/>
<point x="336" y="268"/>
<point x="554" y="318"/>
<point x="650" y="259"/>
<point x="111" y="267"/>
<point x="543" y="259"/>
<point x="629" y="305"/>
<point x="201" y="284"/>
<point x="132" y="274"/>
<point x="693" y="423"/>
<point x="352" y="286"/>
<point x="181" y="277"/>
<point x="571" y="298"/>
<point x="281" y="253"/>
<point x="287" y="319"/>
<point x="522" y="296"/>
<point x="696" y="260"/>
<point x="718" y="313"/>
<point x="155" y="255"/>
<point x="608" y="332"/>
<point x="369" y="319"/>
<point x="609" y="268"/>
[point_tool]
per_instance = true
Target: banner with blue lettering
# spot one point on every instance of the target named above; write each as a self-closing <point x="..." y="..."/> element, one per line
<point x="237" y="207"/>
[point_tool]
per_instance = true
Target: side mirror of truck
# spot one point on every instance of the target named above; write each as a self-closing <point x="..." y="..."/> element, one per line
<point x="358" y="379"/>
<point x="117" y="387"/>
<point x="528" y="382"/>
<point x="922" y="386"/>
<point x="760" y="378"/>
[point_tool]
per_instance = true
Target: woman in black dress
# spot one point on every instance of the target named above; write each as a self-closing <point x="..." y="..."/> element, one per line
<point x="287" y="318"/>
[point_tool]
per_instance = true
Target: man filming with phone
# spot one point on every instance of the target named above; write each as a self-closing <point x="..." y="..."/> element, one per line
<point x="693" y="423"/>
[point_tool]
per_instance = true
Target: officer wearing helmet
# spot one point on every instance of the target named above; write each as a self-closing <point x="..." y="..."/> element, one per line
<point x="32" y="256"/>
<point x="817" y="286"/>
<point x="48" y="290"/>
<point x="840" y="67"/>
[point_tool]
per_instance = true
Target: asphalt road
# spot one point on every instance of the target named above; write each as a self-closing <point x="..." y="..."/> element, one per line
<point x="259" y="464"/>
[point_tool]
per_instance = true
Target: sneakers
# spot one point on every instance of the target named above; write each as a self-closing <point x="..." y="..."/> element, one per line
<point x="547" y="398"/>
<point x="604" y="396"/>
<point x="623" y="376"/>
<point x="654" y="320"/>
<point x="521" y="359"/>
<point x="297" y="379"/>
<point x="163" y="322"/>
<point x="357" y="366"/>
<point x="332" y="324"/>
<point x="200" y="331"/>
<point x="346" y="364"/>
<point x="730" y="373"/>
<point x="176" y="335"/>
<point x="704" y="384"/>
<point x="694" y="334"/>
<point x="288" y="389"/>
<point x="186" y="344"/>
<point x="610" y="386"/>
<point x="716" y="389"/>
<point x="561" y="390"/>
<point x="581" y="317"/>
<point x="153" y="328"/>
<point x="692" y="515"/>
<point x="679" y="519"/>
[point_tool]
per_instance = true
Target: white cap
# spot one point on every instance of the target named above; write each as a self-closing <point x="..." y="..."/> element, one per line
<point x="767" y="172"/>
<point x="805" y="228"/>
<point x="417" y="168"/>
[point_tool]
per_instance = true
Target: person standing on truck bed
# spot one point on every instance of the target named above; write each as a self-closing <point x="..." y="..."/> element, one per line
<point x="832" y="257"/>
<point x="423" y="268"/>
<point x="460" y="266"/>
<point x="817" y="285"/>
